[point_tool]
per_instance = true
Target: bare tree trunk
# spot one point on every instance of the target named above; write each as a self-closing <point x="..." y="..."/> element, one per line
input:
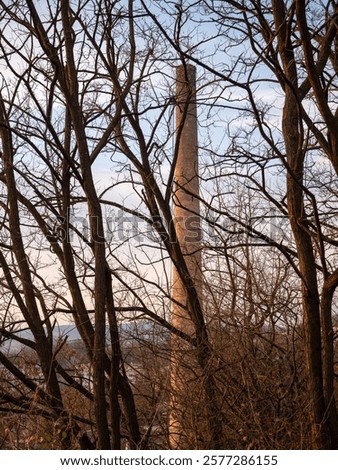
<point x="307" y="268"/>
<point x="32" y="317"/>
<point x="295" y="154"/>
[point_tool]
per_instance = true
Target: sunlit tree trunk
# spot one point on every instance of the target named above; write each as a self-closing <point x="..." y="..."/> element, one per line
<point x="295" y="154"/>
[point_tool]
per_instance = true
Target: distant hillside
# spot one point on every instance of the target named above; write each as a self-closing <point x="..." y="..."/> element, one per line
<point x="129" y="332"/>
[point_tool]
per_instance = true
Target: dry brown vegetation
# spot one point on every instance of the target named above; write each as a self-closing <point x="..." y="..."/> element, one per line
<point x="88" y="158"/>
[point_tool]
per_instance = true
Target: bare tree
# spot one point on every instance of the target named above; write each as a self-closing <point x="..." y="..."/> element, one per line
<point x="89" y="151"/>
<point x="296" y="43"/>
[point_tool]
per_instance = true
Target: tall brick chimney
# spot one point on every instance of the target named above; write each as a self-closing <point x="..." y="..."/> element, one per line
<point x="186" y="210"/>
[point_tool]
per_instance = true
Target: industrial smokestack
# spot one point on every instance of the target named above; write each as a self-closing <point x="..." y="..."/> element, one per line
<point x="187" y="225"/>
